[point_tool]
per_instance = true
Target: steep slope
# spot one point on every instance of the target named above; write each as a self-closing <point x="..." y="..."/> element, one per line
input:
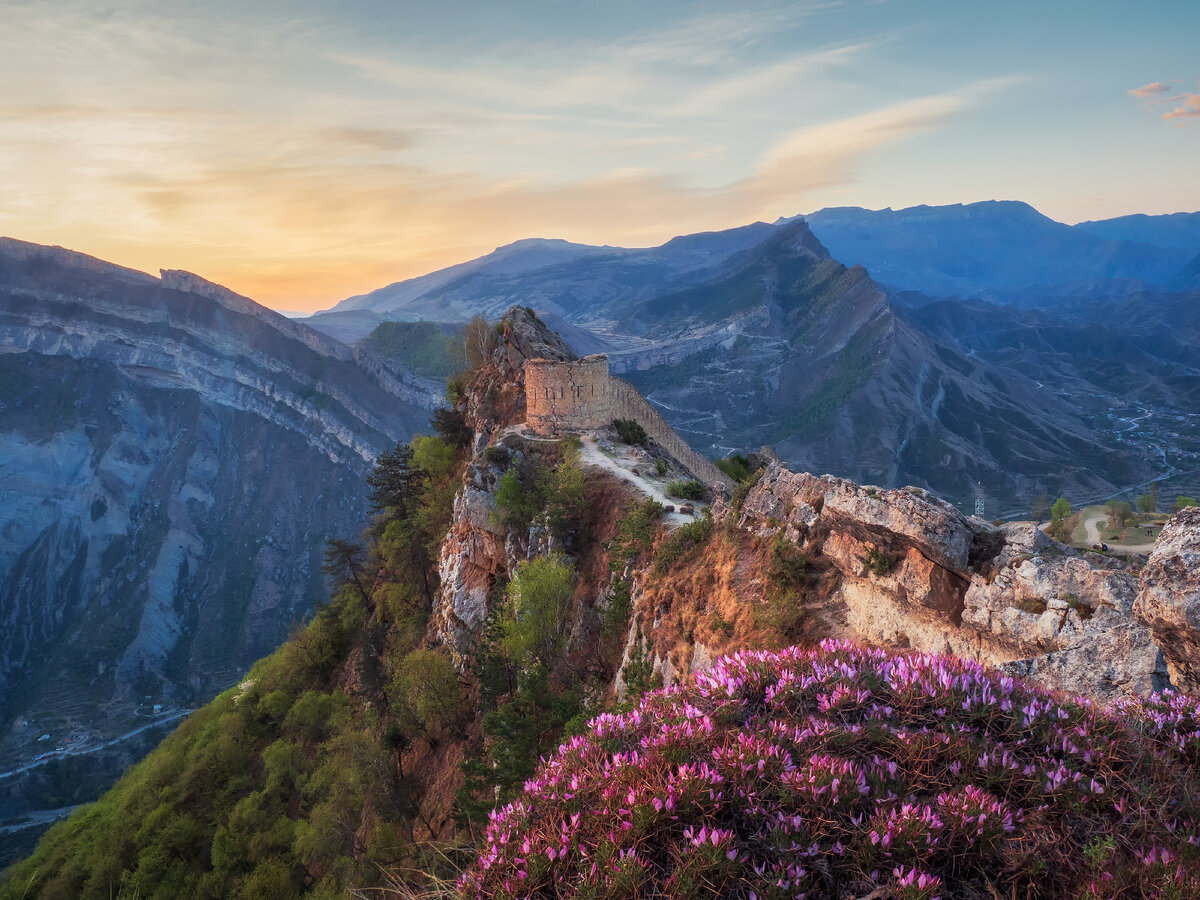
<point x="812" y="358"/>
<point x="574" y="281"/>
<point x="172" y="458"/>
<point x="997" y="250"/>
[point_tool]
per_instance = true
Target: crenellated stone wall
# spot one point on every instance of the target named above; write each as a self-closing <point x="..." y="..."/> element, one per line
<point x="625" y="402"/>
<point x="580" y="395"/>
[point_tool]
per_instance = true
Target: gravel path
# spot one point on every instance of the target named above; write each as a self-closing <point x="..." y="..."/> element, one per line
<point x="621" y="463"/>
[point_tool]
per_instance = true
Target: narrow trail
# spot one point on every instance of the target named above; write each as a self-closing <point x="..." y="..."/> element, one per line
<point x="622" y="466"/>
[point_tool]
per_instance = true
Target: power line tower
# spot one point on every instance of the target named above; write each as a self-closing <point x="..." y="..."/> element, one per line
<point x="979" y="498"/>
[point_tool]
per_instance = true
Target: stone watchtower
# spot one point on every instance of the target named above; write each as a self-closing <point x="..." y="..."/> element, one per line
<point x="567" y="396"/>
<point x="562" y="397"/>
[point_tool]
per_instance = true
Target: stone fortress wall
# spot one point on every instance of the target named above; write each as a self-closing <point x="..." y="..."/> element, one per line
<point x="581" y="396"/>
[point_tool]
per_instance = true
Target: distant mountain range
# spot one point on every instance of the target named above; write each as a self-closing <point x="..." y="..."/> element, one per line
<point x="761" y="334"/>
<point x="1007" y="251"/>
<point x="1004" y="251"/>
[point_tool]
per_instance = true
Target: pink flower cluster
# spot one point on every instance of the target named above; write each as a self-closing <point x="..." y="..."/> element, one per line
<point x="846" y="770"/>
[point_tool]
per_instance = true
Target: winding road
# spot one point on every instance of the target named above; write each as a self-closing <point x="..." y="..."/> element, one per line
<point x="1091" y="526"/>
<point x="109" y="743"/>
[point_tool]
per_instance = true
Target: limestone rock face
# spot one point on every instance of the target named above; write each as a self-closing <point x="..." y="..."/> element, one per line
<point x="473" y="553"/>
<point x="495" y="395"/>
<point x="916" y="573"/>
<point x="1169" y="600"/>
<point x="895" y="520"/>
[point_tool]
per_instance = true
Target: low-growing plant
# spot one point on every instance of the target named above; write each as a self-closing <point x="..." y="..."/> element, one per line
<point x="719" y="624"/>
<point x="682" y="542"/>
<point x="629" y="431"/>
<point x="1035" y="605"/>
<point x="661" y="467"/>
<point x="742" y="490"/>
<point x="852" y="772"/>
<point x="691" y="489"/>
<point x="736" y="466"/>
<point x="497" y="454"/>
<point x="635" y="533"/>
<point x="879" y="562"/>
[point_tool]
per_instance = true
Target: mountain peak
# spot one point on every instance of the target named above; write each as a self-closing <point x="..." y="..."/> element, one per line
<point x="25" y="251"/>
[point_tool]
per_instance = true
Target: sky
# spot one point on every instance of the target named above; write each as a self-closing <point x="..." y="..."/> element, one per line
<point x="301" y="152"/>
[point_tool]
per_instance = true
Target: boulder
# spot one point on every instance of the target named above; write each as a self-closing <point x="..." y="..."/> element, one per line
<point x="1169" y="599"/>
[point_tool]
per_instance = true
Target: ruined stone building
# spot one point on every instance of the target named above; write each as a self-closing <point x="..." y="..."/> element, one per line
<point x="580" y="395"/>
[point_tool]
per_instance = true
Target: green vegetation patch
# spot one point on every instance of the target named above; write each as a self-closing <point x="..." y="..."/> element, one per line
<point x="691" y="489"/>
<point x="631" y="432"/>
<point x="424" y="348"/>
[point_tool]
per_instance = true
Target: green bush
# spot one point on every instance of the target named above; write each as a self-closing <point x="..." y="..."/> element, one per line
<point x="682" y="542"/>
<point x="635" y="533"/>
<point x="880" y="562"/>
<point x="538" y="608"/>
<point x="631" y="432"/>
<point x="687" y="490"/>
<point x="660" y="467"/>
<point x="735" y="466"/>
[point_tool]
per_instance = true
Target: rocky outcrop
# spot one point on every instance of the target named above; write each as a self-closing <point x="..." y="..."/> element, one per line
<point x="916" y="573"/>
<point x="477" y="549"/>
<point x="893" y="520"/>
<point x="1169" y="600"/>
<point x="495" y="394"/>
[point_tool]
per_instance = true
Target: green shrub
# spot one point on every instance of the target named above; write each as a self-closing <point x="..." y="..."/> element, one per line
<point x="635" y="533"/>
<point x="660" y="467"/>
<point x="880" y="562"/>
<point x="687" y="490"/>
<point x="631" y="432"/>
<point x="498" y="454"/>
<point x="742" y="490"/>
<point x="538" y="608"/>
<point x="736" y="466"/>
<point x="682" y="542"/>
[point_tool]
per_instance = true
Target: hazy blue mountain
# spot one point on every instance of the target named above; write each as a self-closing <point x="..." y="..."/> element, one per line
<point x="761" y="335"/>
<point x="812" y="357"/>
<point x="574" y="281"/>
<point x="1180" y="231"/>
<point x="998" y="250"/>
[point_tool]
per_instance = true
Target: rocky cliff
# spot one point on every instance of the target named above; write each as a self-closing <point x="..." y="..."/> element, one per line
<point x="172" y="459"/>
<point x="910" y="571"/>
<point x="891" y="567"/>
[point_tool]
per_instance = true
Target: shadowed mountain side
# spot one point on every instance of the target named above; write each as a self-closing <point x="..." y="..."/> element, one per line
<point x="172" y="459"/>
<point x="817" y="362"/>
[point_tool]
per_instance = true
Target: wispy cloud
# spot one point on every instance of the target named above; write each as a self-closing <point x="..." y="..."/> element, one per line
<point x="300" y="166"/>
<point x="1189" y="109"/>
<point x="1149" y="90"/>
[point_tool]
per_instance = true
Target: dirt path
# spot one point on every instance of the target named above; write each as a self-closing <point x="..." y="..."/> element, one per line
<point x="622" y="465"/>
<point x="1091" y="525"/>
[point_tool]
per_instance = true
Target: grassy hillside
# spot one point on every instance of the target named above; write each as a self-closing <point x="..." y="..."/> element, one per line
<point x="425" y="348"/>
